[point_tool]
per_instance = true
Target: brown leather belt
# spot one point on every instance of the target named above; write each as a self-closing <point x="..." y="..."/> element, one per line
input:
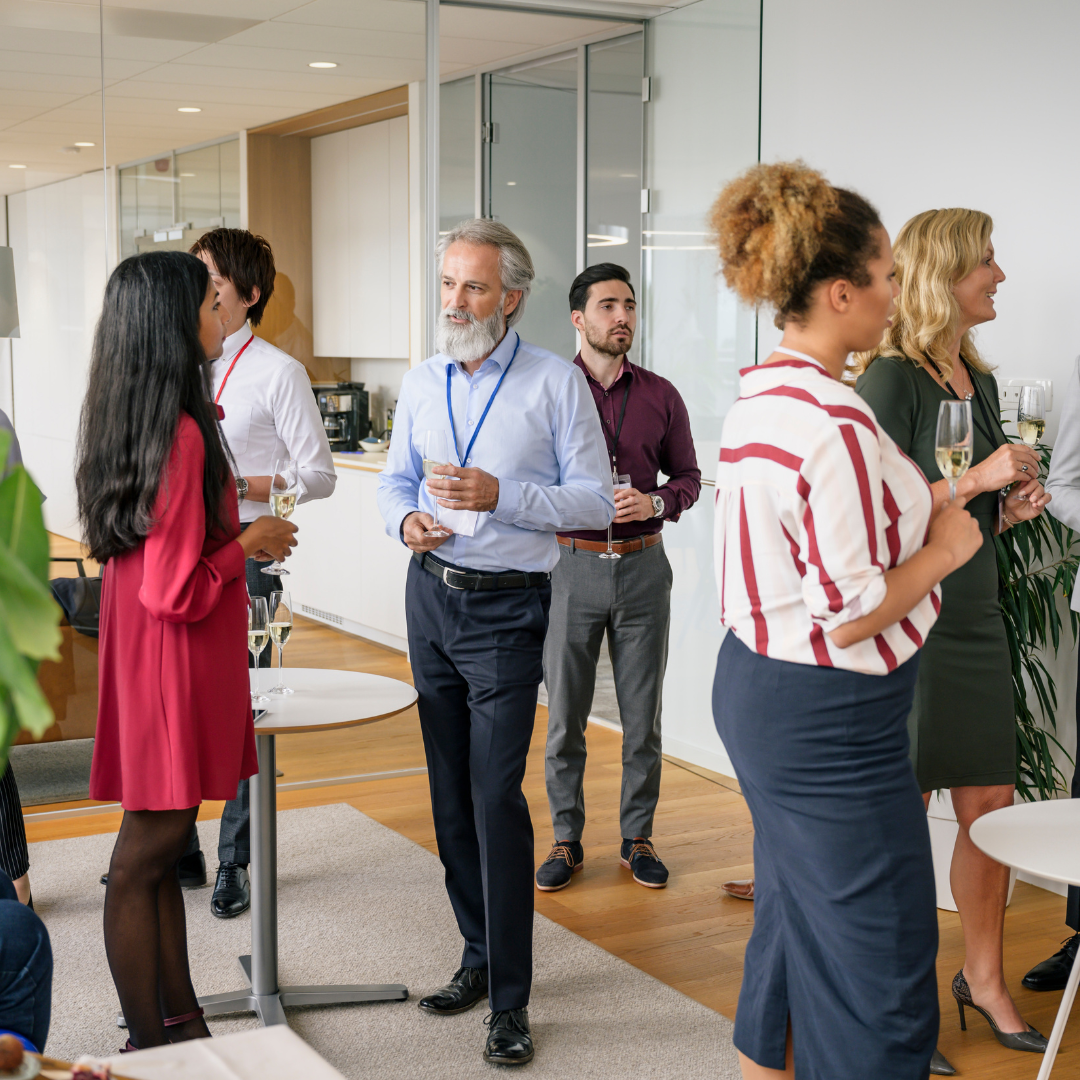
<point x="622" y="547"/>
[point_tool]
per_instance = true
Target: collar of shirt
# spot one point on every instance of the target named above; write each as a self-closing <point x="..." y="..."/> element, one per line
<point x="235" y="342"/>
<point x="500" y="356"/>
<point x="627" y="369"/>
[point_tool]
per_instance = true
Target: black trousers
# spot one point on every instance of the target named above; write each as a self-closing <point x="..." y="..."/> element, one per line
<point x="1072" y="909"/>
<point x="477" y="661"/>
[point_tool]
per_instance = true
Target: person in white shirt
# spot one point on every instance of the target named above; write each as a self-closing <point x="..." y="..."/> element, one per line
<point x="269" y="412"/>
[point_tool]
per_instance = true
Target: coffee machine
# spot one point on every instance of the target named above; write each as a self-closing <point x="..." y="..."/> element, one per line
<point x="344" y="409"/>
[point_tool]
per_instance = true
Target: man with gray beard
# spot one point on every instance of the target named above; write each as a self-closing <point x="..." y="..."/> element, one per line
<point x="527" y="459"/>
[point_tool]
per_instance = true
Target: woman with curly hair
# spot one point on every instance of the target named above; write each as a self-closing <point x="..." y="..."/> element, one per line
<point x="829" y="551"/>
<point x="963" y="730"/>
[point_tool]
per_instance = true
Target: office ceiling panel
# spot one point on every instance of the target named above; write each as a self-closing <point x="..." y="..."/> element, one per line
<point x="243" y="63"/>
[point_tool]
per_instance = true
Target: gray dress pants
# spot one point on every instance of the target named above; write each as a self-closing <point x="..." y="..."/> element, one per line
<point x="630" y="598"/>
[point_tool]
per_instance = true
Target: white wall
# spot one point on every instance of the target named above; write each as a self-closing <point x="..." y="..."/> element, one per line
<point x="6" y="402"/>
<point x="360" y="240"/>
<point x="58" y="236"/>
<point x="967" y="103"/>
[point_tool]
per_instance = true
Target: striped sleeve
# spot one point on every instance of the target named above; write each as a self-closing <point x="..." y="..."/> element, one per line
<point x="841" y="530"/>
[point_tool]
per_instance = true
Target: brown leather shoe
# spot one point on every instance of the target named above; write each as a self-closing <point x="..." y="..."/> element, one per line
<point x="741" y="890"/>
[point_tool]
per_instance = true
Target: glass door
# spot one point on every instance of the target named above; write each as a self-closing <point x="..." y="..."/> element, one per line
<point x="531" y="125"/>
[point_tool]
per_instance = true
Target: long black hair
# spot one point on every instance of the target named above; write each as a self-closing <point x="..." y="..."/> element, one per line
<point x="147" y="366"/>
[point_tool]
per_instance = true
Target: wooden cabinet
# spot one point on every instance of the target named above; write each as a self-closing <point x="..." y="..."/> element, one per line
<point x="345" y="570"/>
<point x="360" y="240"/>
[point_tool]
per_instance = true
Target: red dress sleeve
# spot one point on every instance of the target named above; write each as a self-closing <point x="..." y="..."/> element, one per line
<point x="181" y="583"/>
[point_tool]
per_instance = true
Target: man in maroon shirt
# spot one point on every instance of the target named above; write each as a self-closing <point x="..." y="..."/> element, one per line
<point x="648" y="432"/>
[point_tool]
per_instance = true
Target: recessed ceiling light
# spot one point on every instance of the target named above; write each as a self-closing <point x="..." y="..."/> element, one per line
<point x="511" y="183"/>
<point x="187" y="174"/>
<point x="322" y="64"/>
<point x="188" y="108"/>
<point x="84" y="144"/>
<point x="16" y="166"/>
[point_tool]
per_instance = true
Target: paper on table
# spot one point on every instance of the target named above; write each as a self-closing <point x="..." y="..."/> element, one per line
<point x="273" y="1053"/>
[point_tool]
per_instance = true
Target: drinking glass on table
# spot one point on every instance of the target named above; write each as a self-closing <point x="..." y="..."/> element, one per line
<point x="953" y="444"/>
<point x="281" y="623"/>
<point x="435" y="453"/>
<point x="283" y="491"/>
<point x="258" y="636"/>
<point x="620" y="481"/>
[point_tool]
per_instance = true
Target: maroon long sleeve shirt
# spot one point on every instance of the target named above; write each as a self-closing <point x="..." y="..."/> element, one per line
<point x="655" y="438"/>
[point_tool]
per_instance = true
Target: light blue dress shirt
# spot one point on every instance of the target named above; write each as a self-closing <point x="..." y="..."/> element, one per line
<point x="542" y="440"/>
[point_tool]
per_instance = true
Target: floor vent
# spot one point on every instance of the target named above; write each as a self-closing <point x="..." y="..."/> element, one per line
<point x="326" y="616"/>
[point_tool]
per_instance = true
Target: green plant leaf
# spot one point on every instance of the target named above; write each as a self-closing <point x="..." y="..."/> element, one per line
<point x="22" y="528"/>
<point x="28" y="611"/>
<point x="27" y="702"/>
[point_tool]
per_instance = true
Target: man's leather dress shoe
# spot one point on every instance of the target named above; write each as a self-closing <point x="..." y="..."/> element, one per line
<point x="1053" y="974"/>
<point x="232" y="891"/>
<point x="509" y="1040"/>
<point x="463" y="991"/>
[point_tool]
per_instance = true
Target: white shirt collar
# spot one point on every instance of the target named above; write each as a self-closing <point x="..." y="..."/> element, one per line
<point x="235" y="342"/>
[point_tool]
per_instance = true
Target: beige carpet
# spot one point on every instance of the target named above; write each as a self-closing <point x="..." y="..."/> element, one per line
<point x="360" y="903"/>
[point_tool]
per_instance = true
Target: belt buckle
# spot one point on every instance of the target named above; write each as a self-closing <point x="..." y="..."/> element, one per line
<point x="447" y="570"/>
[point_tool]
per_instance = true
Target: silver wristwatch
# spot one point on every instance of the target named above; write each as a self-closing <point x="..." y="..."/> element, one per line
<point x="657" y="505"/>
<point x="241" y="488"/>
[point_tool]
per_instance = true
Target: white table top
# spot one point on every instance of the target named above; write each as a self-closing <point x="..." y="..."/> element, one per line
<point x="1041" y="838"/>
<point x="328" y="698"/>
<point x="271" y="1053"/>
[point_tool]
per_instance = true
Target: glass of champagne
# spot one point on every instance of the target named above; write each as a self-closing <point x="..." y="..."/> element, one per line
<point x="283" y="491"/>
<point x="258" y="636"/>
<point x="953" y="444"/>
<point x="620" y="481"/>
<point x="281" y="621"/>
<point x="1030" y="415"/>
<point x="435" y="453"/>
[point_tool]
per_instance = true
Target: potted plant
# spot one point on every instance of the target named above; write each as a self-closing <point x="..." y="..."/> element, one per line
<point x="29" y="616"/>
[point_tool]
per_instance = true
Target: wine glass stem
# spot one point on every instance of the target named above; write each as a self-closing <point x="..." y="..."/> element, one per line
<point x="952" y="490"/>
<point x="280" y="679"/>
<point x="609" y="538"/>
<point x="256" y="655"/>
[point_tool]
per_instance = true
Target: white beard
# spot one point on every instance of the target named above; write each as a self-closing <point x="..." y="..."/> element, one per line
<point x="470" y="342"/>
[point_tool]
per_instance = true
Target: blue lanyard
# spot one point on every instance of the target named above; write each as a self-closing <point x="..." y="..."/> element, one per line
<point x="483" y="415"/>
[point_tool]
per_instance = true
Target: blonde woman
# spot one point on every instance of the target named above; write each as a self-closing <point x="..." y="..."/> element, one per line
<point x="828" y="556"/>
<point x="962" y="724"/>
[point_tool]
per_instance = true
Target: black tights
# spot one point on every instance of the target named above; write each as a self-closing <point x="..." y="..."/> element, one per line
<point x="145" y="931"/>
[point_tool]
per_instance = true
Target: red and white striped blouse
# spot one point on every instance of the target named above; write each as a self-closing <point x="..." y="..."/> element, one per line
<point x="814" y="502"/>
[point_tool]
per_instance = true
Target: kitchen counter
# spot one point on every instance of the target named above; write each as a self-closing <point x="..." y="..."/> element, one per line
<point x="369" y="461"/>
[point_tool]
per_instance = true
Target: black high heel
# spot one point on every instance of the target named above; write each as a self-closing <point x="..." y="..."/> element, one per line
<point x="1029" y="1040"/>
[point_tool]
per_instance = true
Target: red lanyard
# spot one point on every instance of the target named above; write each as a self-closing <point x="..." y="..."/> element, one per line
<point x="217" y="396"/>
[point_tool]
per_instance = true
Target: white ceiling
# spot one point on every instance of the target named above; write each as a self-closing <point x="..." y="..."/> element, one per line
<point x="242" y="62"/>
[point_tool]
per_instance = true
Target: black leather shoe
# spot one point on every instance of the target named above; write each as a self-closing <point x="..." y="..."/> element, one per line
<point x="463" y="991"/>
<point x="192" y="871"/>
<point x="509" y="1040"/>
<point x="640" y="858"/>
<point x="1053" y="974"/>
<point x="939" y="1065"/>
<point x="1029" y="1040"/>
<point x="232" y="891"/>
<point x="564" y="860"/>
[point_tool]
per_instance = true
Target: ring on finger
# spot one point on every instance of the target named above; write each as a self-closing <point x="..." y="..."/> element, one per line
<point x="1023" y="468"/>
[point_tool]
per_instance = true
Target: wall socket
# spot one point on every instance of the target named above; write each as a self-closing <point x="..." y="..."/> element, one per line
<point x="1009" y="392"/>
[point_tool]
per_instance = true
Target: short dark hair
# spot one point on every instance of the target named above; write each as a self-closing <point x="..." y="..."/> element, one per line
<point x="244" y="259"/>
<point x="579" y="291"/>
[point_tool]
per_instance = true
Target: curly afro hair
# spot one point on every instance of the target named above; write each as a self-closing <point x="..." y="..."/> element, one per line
<point x="782" y="229"/>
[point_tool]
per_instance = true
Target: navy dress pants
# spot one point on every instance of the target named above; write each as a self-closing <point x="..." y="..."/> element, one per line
<point x="26" y="969"/>
<point x="477" y="661"/>
<point x="845" y="928"/>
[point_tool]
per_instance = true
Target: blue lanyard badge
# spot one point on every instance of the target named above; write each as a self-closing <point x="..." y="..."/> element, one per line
<point x="483" y="415"/>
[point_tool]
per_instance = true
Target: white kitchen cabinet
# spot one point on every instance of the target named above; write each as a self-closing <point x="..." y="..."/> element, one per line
<point x="360" y="240"/>
<point x="345" y="571"/>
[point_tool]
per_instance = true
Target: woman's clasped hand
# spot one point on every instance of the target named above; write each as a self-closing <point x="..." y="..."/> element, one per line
<point x="267" y="538"/>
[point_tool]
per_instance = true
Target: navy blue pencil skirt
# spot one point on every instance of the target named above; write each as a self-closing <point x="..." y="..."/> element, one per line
<point x="845" y="928"/>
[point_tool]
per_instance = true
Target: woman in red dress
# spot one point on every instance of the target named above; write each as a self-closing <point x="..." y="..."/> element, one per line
<point x="158" y="507"/>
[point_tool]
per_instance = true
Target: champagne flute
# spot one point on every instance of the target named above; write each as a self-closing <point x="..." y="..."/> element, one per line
<point x="1030" y="416"/>
<point x="281" y="623"/>
<point x="283" y="491"/>
<point x="620" y="481"/>
<point x="258" y="636"/>
<point x="953" y="443"/>
<point x="435" y="453"/>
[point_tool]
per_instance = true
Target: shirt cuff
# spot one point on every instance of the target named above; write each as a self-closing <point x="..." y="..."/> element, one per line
<point x="228" y="561"/>
<point x="506" y="510"/>
<point x="870" y="599"/>
<point x="399" y="530"/>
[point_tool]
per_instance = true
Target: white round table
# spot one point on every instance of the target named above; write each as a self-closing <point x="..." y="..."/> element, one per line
<point x="1041" y="838"/>
<point x="322" y="698"/>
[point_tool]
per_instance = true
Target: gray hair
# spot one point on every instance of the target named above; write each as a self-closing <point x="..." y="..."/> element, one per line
<point x="515" y="263"/>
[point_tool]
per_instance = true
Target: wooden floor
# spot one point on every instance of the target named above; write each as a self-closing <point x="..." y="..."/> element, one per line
<point x="689" y="935"/>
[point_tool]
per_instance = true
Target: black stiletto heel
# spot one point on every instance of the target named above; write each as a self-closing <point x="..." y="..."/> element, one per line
<point x="1029" y="1040"/>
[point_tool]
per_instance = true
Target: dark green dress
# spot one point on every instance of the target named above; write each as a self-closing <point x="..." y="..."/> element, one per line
<point x="962" y="726"/>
